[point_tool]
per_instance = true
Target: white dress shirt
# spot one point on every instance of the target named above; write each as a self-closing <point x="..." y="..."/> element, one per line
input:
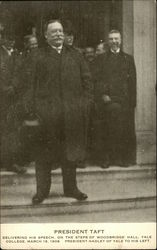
<point x="115" y="52"/>
<point x="58" y="49"/>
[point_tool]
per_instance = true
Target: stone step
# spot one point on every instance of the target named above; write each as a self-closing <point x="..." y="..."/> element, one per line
<point x="87" y="174"/>
<point x="75" y="207"/>
<point x="109" y="189"/>
<point x="118" y="191"/>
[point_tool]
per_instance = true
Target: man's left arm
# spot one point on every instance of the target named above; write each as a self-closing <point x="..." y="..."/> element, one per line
<point x="132" y="81"/>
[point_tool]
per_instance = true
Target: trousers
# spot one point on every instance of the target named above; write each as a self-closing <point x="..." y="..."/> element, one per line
<point x="43" y="179"/>
<point x="50" y="151"/>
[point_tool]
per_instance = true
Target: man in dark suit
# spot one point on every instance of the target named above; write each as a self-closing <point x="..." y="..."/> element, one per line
<point x="22" y="81"/>
<point x="61" y="95"/>
<point x="115" y="98"/>
<point x="8" y="98"/>
<point x="89" y="55"/>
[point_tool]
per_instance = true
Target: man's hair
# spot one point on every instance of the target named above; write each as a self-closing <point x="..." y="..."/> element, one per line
<point x="114" y="31"/>
<point x="51" y="21"/>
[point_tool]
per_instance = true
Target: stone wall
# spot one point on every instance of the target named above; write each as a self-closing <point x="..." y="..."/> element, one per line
<point x="139" y="35"/>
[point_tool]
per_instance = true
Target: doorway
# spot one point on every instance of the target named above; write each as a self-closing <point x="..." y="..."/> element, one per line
<point x="91" y="19"/>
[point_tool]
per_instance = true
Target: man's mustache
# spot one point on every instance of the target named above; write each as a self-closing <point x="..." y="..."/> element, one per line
<point x="58" y="37"/>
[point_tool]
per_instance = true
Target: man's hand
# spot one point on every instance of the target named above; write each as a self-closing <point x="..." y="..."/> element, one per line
<point x="10" y="90"/>
<point x="31" y="123"/>
<point x="106" y="98"/>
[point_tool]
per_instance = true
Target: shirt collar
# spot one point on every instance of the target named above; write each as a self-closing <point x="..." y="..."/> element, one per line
<point x="58" y="49"/>
<point x="115" y="52"/>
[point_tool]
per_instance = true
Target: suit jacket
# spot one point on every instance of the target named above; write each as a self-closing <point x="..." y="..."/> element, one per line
<point x="23" y="82"/>
<point x="6" y="72"/>
<point x="116" y="80"/>
<point x="7" y="95"/>
<point x="62" y="90"/>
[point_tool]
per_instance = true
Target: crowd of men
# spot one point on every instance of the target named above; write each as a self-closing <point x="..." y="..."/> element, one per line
<point x="62" y="106"/>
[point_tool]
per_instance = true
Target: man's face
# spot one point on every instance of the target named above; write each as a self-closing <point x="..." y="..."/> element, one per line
<point x="89" y="54"/>
<point x="68" y="39"/>
<point x="33" y="43"/>
<point x="54" y="34"/>
<point x="114" y="41"/>
<point x="100" y="49"/>
<point x="9" y="44"/>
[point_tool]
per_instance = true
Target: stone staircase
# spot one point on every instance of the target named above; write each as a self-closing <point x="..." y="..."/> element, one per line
<point x="112" y="189"/>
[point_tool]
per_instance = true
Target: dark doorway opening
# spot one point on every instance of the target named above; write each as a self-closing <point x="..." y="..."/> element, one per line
<point x="91" y="19"/>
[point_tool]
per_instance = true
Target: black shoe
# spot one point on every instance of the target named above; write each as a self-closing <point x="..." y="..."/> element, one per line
<point x="37" y="199"/>
<point x="19" y="170"/>
<point x="123" y="164"/>
<point x="105" y="165"/>
<point x="78" y="195"/>
<point x="117" y="163"/>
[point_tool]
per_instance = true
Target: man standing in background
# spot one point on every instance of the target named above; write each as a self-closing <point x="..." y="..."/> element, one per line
<point x="23" y="78"/>
<point x="115" y="97"/>
<point x="8" y="99"/>
<point x="89" y="54"/>
<point x="100" y="49"/>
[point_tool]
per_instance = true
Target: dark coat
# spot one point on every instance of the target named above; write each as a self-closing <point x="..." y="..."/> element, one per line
<point x="6" y="88"/>
<point x="119" y="81"/>
<point x="8" y="124"/>
<point x="23" y="81"/>
<point x="115" y="76"/>
<point x="62" y="91"/>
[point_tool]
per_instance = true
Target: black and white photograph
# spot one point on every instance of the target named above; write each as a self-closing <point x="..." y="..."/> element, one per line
<point x="78" y="123"/>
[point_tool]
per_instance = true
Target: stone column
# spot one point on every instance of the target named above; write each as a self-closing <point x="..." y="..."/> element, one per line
<point x="127" y="26"/>
<point x="139" y="39"/>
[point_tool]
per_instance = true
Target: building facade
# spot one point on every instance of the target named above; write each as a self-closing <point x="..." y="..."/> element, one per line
<point x="136" y="19"/>
<point x="139" y="39"/>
